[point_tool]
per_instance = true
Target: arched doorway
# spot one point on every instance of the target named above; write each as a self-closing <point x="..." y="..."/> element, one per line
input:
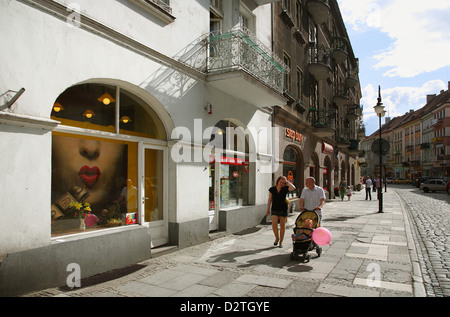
<point x="293" y="169"/>
<point x="108" y="162"/>
<point x="231" y="172"/>
<point x="314" y="167"/>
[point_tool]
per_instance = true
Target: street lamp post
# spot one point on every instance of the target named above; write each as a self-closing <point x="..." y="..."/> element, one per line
<point x="379" y="109"/>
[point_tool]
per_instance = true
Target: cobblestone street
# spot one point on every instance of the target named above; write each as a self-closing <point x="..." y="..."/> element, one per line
<point x="430" y="217"/>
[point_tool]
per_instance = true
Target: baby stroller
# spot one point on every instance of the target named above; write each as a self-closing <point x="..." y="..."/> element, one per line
<point x="305" y="224"/>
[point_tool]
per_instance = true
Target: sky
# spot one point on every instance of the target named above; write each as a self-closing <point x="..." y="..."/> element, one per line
<point x="403" y="46"/>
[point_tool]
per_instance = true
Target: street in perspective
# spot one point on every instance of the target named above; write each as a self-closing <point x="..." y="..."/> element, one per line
<point x="151" y="148"/>
<point x="403" y="251"/>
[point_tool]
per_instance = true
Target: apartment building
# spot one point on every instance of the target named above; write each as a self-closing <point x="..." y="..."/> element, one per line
<point x="419" y="142"/>
<point x="322" y="116"/>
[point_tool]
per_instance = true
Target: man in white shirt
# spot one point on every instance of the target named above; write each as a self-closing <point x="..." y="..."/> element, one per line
<point x="313" y="197"/>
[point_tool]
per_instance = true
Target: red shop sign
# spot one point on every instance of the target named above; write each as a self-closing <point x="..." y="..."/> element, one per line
<point x="327" y="148"/>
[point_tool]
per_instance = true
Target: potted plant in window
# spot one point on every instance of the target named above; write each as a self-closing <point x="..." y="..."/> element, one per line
<point x="82" y="211"/>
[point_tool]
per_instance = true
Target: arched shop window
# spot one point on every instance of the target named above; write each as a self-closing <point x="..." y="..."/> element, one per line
<point x="290" y="168"/>
<point x="233" y="167"/>
<point x="95" y="158"/>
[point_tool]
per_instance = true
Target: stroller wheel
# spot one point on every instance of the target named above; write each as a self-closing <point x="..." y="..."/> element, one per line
<point x="292" y="256"/>
<point x="307" y="257"/>
<point x="319" y="251"/>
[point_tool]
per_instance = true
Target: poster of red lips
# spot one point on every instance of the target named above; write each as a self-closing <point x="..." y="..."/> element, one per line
<point x="96" y="166"/>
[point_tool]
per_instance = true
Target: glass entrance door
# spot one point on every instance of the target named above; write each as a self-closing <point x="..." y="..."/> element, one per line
<point x="153" y="194"/>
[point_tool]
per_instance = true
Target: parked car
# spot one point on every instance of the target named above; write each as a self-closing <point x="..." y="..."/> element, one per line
<point x="402" y="181"/>
<point x="420" y="180"/>
<point x="389" y="180"/>
<point x="433" y="185"/>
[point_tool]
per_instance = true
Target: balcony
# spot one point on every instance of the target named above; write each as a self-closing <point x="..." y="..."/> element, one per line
<point x="353" y="112"/>
<point x="319" y="62"/>
<point x="322" y="122"/>
<point x="343" y="138"/>
<point x="240" y="65"/>
<point x="342" y="143"/>
<point x="354" y="147"/>
<point x="340" y="96"/>
<point x="424" y="146"/>
<point x="339" y="49"/>
<point x="351" y="81"/>
<point x="319" y="9"/>
<point x="409" y="148"/>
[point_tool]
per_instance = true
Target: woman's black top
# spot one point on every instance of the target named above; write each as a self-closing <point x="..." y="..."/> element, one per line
<point x="279" y="205"/>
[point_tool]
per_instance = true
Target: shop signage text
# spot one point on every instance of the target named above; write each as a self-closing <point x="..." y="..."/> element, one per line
<point x="294" y="135"/>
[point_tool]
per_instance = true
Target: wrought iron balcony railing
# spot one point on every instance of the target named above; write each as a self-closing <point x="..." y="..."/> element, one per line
<point x="239" y="49"/>
<point x="351" y="80"/>
<point x="322" y="121"/>
<point x="319" y="118"/>
<point x="354" y="145"/>
<point x="340" y="94"/>
<point x="319" y="61"/>
<point x="339" y="48"/>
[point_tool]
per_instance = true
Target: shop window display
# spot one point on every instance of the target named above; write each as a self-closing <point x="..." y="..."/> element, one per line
<point x="93" y="171"/>
<point x="233" y="182"/>
<point x="234" y="168"/>
<point x="96" y="178"/>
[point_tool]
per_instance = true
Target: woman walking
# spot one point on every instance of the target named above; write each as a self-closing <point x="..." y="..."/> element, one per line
<point x="342" y="189"/>
<point x="277" y="198"/>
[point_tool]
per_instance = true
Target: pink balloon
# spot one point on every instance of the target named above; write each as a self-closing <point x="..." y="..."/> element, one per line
<point x="321" y="236"/>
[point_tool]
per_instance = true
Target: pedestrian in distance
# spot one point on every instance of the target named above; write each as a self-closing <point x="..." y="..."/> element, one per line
<point x="368" y="188"/>
<point x="277" y="199"/>
<point x="312" y="197"/>
<point x="349" y="192"/>
<point x="342" y="188"/>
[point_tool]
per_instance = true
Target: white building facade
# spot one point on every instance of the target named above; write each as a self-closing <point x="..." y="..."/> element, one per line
<point x="150" y="120"/>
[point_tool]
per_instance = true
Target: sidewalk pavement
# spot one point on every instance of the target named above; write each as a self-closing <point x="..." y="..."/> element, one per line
<point x="371" y="255"/>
